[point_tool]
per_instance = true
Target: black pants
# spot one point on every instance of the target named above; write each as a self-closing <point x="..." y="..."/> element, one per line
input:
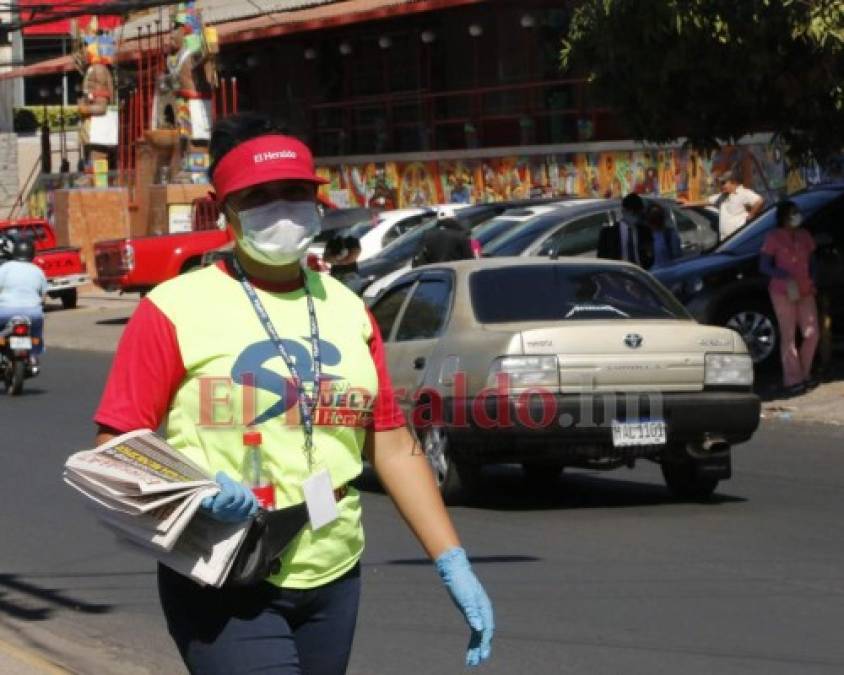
<point x="265" y="629"/>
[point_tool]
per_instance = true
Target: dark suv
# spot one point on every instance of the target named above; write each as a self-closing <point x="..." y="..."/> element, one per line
<point x="725" y="286"/>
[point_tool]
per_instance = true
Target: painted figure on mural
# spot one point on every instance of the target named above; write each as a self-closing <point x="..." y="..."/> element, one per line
<point x="417" y="187"/>
<point x="383" y="196"/>
<point x="191" y="78"/>
<point x="94" y="58"/>
<point x="461" y="191"/>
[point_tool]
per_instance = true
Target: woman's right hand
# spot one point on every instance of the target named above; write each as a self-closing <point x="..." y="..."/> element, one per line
<point x="233" y="503"/>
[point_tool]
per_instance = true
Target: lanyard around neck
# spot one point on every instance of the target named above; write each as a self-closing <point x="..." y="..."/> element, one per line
<point x="307" y="404"/>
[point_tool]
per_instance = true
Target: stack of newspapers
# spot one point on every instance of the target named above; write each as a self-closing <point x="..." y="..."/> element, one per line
<point x="150" y="494"/>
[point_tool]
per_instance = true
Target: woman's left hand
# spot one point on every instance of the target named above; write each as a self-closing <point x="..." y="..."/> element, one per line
<point x="471" y="599"/>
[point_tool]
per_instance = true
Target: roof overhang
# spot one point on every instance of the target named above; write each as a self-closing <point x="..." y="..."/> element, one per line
<point x="271" y="25"/>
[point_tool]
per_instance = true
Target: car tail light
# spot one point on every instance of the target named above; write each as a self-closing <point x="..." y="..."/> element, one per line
<point x="525" y="371"/>
<point x="20" y="329"/>
<point x="476" y="247"/>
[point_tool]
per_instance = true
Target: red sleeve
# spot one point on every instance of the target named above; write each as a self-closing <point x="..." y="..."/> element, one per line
<point x="386" y="414"/>
<point x="145" y="373"/>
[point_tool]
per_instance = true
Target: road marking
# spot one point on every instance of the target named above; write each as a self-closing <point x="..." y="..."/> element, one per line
<point x="31" y="659"/>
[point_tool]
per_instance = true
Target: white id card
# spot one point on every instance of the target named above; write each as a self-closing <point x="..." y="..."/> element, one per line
<point x="319" y="497"/>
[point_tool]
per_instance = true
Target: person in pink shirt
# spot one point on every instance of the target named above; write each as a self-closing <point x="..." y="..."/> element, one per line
<point x="787" y="259"/>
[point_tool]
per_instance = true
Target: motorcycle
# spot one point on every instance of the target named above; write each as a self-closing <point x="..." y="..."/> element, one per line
<point x="16" y="362"/>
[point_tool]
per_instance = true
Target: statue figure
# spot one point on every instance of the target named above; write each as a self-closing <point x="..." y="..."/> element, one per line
<point x="189" y="81"/>
<point x="98" y="134"/>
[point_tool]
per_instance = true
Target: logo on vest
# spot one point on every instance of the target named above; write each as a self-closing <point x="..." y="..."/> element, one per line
<point x="273" y="155"/>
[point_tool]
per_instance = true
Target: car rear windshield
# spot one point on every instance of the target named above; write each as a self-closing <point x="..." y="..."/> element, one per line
<point x="569" y="292"/>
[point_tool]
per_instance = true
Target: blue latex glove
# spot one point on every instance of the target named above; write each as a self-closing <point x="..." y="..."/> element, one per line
<point x="471" y="599"/>
<point x="233" y="503"/>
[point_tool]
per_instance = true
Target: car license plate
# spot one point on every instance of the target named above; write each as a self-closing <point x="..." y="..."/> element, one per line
<point x="16" y="342"/>
<point x="643" y="432"/>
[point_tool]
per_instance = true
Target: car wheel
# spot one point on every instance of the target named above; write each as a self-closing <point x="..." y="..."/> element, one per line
<point x="69" y="298"/>
<point x="543" y="475"/>
<point x="685" y="483"/>
<point x="756" y="322"/>
<point x="456" y="481"/>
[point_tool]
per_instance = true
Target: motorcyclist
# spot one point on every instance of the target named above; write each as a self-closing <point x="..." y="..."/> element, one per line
<point x="22" y="290"/>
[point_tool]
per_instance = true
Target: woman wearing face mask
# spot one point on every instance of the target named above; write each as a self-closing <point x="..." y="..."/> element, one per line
<point x="245" y="345"/>
<point x="787" y="259"/>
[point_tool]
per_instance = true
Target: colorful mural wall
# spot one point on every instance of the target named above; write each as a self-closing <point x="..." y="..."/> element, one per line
<point x="668" y="173"/>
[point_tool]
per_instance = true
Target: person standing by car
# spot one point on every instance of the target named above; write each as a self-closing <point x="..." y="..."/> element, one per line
<point x="303" y="364"/>
<point x="23" y="287"/>
<point x="447" y="240"/>
<point x="666" y="241"/>
<point x="787" y="259"/>
<point x="342" y="254"/>
<point x="736" y="204"/>
<point x="629" y="239"/>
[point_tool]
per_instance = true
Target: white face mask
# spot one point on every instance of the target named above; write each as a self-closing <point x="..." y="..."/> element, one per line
<point x="796" y="220"/>
<point x="278" y="233"/>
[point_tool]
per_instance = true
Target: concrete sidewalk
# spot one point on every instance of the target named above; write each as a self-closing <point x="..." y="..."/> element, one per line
<point x="95" y="325"/>
<point x="822" y="405"/>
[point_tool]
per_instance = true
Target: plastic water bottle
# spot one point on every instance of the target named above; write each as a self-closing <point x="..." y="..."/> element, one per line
<point x="253" y="475"/>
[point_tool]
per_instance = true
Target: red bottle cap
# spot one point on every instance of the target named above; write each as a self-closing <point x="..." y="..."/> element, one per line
<point x="252" y="438"/>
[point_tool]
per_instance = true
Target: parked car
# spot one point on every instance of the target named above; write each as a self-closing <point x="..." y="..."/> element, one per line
<point x="388" y="227"/>
<point x="138" y="264"/>
<point x="62" y="265"/>
<point x="572" y="362"/>
<point x="399" y="253"/>
<point x="482" y="232"/>
<point x="496" y="227"/>
<point x="726" y="288"/>
<point x="574" y="229"/>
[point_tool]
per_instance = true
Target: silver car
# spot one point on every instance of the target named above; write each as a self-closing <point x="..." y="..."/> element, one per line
<point x="569" y="362"/>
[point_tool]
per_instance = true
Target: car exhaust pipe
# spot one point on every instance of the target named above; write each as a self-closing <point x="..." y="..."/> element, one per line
<point x="711" y="446"/>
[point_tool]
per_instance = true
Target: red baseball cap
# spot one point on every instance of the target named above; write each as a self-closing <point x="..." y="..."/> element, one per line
<point x="261" y="160"/>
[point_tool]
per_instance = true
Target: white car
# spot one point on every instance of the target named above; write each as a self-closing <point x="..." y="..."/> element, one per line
<point x="483" y="234"/>
<point x="391" y="225"/>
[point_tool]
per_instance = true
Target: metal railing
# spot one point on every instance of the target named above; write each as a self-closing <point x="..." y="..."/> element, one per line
<point x="508" y="114"/>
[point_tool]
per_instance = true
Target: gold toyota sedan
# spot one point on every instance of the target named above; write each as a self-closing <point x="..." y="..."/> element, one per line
<point x="570" y="362"/>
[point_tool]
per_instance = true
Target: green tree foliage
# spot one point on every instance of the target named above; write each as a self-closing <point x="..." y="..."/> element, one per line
<point x="713" y="70"/>
<point x="30" y="118"/>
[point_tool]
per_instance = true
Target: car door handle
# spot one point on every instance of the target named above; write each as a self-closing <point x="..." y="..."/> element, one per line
<point x="419" y="362"/>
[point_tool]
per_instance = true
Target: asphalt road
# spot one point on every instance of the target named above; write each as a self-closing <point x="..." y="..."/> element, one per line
<point x="603" y="575"/>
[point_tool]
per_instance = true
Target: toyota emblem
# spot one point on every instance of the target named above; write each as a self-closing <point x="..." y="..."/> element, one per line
<point x="633" y="340"/>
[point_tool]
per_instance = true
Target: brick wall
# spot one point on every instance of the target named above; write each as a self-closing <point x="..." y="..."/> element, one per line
<point x="86" y="215"/>
<point x="8" y="172"/>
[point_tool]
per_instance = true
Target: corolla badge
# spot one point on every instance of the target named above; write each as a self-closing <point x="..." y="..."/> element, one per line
<point x="633" y="340"/>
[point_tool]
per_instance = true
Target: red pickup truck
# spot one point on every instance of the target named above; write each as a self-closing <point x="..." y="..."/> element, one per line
<point x="63" y="265"/>
<point x="137" y="264"/>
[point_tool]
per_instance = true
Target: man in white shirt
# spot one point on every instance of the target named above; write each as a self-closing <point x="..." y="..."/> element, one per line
<point x="737" y="205"/>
